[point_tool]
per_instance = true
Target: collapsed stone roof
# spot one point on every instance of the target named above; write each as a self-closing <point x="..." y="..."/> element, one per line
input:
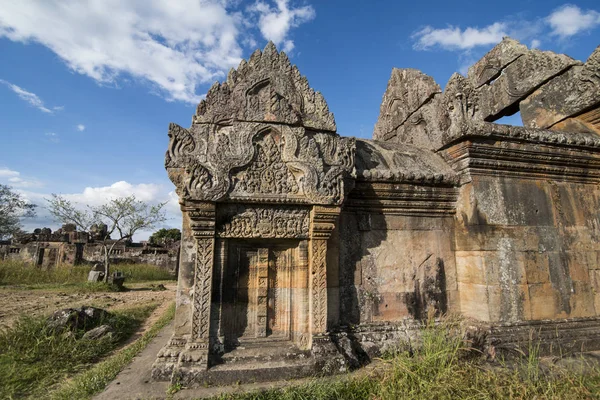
<point x="552" y="91"/>
<point x="399" y="162"/>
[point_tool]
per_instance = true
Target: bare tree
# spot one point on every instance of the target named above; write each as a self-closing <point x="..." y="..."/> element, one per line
<point x="123" y="216"/>
<point x="13" y="207"/>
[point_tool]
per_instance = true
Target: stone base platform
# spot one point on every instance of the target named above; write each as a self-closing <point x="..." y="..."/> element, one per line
<point x="258" y="360"/>
<point x="546" y="337"/>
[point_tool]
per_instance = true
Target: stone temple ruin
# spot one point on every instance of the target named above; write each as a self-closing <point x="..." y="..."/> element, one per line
<point x="68" y="246"/>
<point x="305" y="252"/>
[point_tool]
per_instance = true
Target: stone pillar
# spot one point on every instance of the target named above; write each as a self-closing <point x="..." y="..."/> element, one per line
<point x="323" y="220"/>
<point x="202" y="223"/>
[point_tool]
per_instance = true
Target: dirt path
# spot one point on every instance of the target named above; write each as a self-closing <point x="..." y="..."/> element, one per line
<point x="16" y="301"/>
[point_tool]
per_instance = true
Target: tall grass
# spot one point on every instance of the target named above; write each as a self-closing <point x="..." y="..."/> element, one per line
<point x="94" y="380"/>
<point x="441" y="367"/>
<point x="19" y="273"/>
<point x="33" y="358"/>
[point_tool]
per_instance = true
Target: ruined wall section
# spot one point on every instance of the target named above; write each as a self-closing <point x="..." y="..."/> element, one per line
<point x="396" y="238"/>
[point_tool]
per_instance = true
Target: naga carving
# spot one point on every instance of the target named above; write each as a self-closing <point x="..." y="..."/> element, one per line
<point x="259" y="162"/>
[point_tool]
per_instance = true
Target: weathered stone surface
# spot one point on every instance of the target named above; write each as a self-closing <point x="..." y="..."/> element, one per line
<point x="98" y="332"/>
<point x="266" y="88"/>
<point x="95" y="276"/>
<point x="74" y="319"/>
<point x="407" y="91"/>
<point x="518" y="79"/>
<point x="490" y="66"/>
<point x="67" y="246"/>
<point x="566" y="95"/>
<point x="415" y="111"/>
<point x="277" y="163"/>
<point x="382" y="161"/>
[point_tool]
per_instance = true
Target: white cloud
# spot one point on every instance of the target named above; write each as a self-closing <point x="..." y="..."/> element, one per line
<point x="570" y="20"/>
<point x="453" y="38"/>
<point x="14" y="179"/>
<point x="81" y="127"/>
<point x="94" y="196"/>
<point x="275" y="22"/>
<point x="8" y="173"/>
<point x="148" y="192"/>
<point x="535" y="43"/>
<point x="175" y="46"/>
<point x="32" y="98"/>
<point x="52" y="137"/>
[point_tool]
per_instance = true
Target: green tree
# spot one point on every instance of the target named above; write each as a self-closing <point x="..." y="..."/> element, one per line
<point x="123" y="216"/>
<point x="164" y="235"/>
<point x="13" y="207"/>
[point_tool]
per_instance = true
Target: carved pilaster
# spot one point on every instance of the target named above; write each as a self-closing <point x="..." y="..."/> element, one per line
<point x="202" y="216"/>
<point x="322" y="224"/>
<point x="262" y="276"/>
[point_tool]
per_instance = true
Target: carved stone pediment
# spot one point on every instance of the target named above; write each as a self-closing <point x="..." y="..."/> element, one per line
<point x="262" y="136"/>
<point x="266" y="88"/>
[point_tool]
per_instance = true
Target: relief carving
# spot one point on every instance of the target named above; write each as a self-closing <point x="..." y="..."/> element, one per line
<point x="269" y="163"/>
<point x="241" y="221"/>
<point x="319" y="285"/>
<point x="202" y="288"/>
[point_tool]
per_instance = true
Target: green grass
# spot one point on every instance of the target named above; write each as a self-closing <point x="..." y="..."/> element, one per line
<point x="19" y="273"/>
<point x="442" y="368"/>
<point x="33" y="359"/>
<point x="94" y="380"/>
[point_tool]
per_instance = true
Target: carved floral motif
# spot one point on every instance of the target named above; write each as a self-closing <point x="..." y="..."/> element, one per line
<point x="239" y="221"/>
<point x="319" y="285"/>
<point x="202" y="288"/>
<point x="263" y="162"/>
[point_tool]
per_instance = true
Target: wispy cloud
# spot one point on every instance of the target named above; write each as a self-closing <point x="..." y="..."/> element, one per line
<point x="52" y="137"/>
<point x="276" y="22"/>
<point x="564" y="22"/>
<point x="81" y="127"/>
<point x="453" y="38"/>
<point x="174" y="46"/>
<point x="14" y="178"/>
<point x="8" y="173"/>
<point x="31" y="98"/>
<point x="570" y="20"/>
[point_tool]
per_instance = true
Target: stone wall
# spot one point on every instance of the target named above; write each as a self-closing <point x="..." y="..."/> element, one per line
<point x="527" y="250"/>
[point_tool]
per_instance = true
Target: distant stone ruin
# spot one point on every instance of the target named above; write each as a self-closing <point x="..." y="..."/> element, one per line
<point x="67" y="246"/>
<point x="307" y="252"/>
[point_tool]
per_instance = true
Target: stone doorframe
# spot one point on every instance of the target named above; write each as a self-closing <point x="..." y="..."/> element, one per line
<point x="202" y="216"/>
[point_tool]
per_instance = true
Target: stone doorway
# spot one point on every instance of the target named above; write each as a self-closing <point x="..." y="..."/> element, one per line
<point x="258" y="291"/>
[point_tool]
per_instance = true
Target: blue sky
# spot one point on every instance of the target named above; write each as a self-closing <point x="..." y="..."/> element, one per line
<point x="88" y="88"/>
